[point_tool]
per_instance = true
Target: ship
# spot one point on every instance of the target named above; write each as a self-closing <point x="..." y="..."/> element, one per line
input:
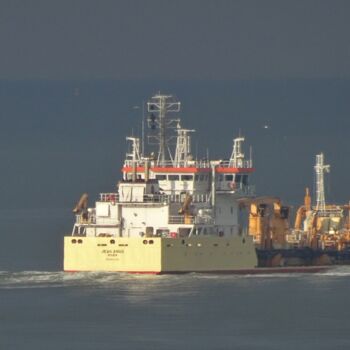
<point x="170" y="212"/>
<point x="174" y="213"/>
<point x="320" y="234"/>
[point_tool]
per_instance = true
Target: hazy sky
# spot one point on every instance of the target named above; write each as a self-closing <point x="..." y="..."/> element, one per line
<point x="192" y="39"/>
<point x="160" y="43"/>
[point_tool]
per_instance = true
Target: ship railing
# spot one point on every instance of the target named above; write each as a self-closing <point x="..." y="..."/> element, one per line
<point x="333" y="212"/>
<point x="181" y="219"/>
<point x="172" y="198"/>
<point x="240" y="188"/>
<point x="155" y="198"/>
<point x="204" y="220"/>
<point x="82" y="219"/>
<point x="238" y="164"/>
<point x="248" y="190"/>
<point x="196" y="198"/>
<point x="170" y="164"/>
<point x="109" y="197"/>
<point x="159" y="198"/>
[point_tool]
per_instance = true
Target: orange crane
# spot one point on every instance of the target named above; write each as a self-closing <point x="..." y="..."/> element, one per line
<point x="268" y="221"/>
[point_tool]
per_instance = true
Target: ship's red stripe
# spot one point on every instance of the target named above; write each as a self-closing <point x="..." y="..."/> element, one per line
<point x="189" y="170"/>
<point x="234" y="170"/>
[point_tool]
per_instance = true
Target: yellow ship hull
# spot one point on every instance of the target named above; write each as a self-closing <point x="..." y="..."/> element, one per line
<point x="159" y="255"/>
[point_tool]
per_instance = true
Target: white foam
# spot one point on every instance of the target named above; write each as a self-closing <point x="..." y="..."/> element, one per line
<point x="135" y="283"/>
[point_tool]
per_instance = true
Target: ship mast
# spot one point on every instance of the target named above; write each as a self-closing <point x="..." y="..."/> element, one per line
<point x="237" y="159"/>
<point x="135" y="149"/>
<point x="183" y="147"/>
<point x="159" y="108"/>
<point x="320" y="169"/>
<point x="134" y="156"/>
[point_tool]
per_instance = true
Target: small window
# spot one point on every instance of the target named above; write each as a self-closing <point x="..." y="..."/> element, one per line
<point x="221" y="177"/>
<point x="161" y="177"/>
<point x="186" y="177"/>
<point x="229" y="177"/>
<point x="201" y="177"/>
<point x="231" y="210"/>
<point x="173" y="177"/>
<point x="238" y="178"/>
<point x="196" y="178"/>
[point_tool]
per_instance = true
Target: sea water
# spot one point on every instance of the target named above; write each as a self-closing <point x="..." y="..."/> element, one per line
<point x="60" y="139"/>
<point x="42" y="307"/>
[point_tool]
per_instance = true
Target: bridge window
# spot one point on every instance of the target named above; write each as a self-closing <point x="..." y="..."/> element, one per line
<point x="196" y="178"/>
<point x="186" y="177"/>
<point x="229" y="177"/>
<point x="238" y="178"/>
<point x="173" y="177"/>
<point x="161" y="177"/>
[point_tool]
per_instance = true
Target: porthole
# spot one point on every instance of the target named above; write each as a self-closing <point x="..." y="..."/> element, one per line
<point x="80" y="241"/>
<point x="112" y="241"/>
<point x="145" y="241"/>
<point x="74" y="241"/>
<point x="150" y="241"/>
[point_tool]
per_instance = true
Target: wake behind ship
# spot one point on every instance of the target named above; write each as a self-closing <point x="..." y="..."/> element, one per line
<point x="170" y="213"/>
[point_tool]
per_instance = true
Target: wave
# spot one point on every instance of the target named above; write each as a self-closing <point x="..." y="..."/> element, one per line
<point x="139" y="283"/>
<point x="336" y="271"/>
<point x="46" y="279"/>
